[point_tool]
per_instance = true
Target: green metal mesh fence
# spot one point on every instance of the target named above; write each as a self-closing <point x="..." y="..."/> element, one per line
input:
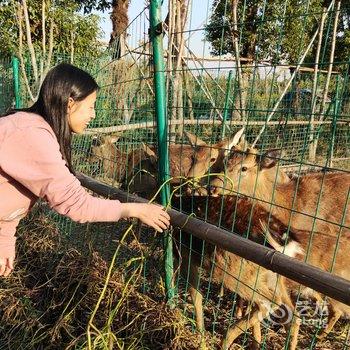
<point x="6" y="85"/>
<point x="291" y="95"/>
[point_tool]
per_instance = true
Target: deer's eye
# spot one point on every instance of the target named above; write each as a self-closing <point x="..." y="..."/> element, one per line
<point x="244" y="168"/>
<point x="213" y="159"/>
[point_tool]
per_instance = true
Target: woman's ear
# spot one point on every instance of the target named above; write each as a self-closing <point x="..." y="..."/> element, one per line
<point x="70" y="104"/>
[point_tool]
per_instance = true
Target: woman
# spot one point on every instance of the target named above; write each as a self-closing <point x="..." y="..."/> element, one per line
<point x="35" y="161"/>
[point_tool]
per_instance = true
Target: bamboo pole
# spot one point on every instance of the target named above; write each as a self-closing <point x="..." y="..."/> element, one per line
<point x="290" y="80"/>
<point x="328" y="79"/>
<point x="312" y="151"/>
<point x="148" y="125"/>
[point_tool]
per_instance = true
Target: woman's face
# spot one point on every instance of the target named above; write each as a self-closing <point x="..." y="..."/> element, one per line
<point x="80" y="113"/>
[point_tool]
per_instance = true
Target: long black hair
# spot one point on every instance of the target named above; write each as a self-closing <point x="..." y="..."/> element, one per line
<point x="62" y="82"/>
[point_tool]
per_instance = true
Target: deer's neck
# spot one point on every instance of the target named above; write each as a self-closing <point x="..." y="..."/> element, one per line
<point x="273" y="195"/>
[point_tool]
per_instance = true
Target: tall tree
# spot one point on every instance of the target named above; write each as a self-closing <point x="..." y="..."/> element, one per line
<point x="36" y="31"/>
<point x="119" y="18"/>
<point x="120" y="21"/>
<point x="275" y="30"/>
<point x="66" y="19"/>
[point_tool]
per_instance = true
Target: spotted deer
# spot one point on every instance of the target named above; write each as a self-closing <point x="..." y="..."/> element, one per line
<point x="116" y="165"/>
<point x="265" y="289"/>
<point x="251" y="220"/>
<point x="313" y="202"/>
<point x="194" y="160"/>
<point x="326" y="252"/>
<point x="214" y="160"/>
<point x="210" y="156"/>
<point x="137" y="170"/>
<point x="181" y="157"/>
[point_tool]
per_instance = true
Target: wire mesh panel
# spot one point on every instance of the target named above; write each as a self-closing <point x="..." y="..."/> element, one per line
<point x="258" y="138"/>
<point x="6" y="85"/>
<point x="282" y="181"/>
<point x="289" y="93"/>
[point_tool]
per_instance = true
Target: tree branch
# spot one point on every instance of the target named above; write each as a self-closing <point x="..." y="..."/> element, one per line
<point x="29" y="41"/>
<point x="20" y="51"/>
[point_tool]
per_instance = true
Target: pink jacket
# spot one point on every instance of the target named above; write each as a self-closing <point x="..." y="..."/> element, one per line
<point x="32" y="167"/>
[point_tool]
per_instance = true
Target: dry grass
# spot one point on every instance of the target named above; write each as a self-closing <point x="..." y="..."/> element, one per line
<point x="49" y="301"/>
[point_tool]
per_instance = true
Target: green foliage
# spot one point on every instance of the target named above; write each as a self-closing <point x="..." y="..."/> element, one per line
<point x="259" y="25"/>
<point x="70" y="28"/>
<point x="278" y="30"/>
<point x="9" y="30"/>
<point x="90" y="5"/>
<point x="82" y="29"/>
<point x="299" y="26"/>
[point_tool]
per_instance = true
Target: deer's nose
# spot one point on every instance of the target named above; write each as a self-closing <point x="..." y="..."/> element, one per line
<point x="214" y="191"/>
<point x="95" y="142"/>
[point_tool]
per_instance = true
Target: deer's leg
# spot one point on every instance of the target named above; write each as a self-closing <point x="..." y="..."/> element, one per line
<point x="221" y="291"/>
<point x="333" y="317"/>
<point x="257" y="332"/>
<point x="248" y="321"/>
<point x="189" y="269"/>
<point x="256" y="326"/>
<point x="240" y="307"/>
<point x="288" y="305"/>
<point x="292" y="325"/>
<point x="294" y="332"/>
<point x="197" y="300"/>
<point x="196" y="295"/>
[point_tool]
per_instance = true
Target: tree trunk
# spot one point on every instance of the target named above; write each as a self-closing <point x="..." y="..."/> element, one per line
<point x="120" y="22"/>
<point x="177" y="25"/>
<point x="39" y="66"/>
<point x="240" y="93"/>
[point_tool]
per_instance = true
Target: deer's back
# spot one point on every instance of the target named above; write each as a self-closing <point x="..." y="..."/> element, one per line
<point x="321" y="202"/>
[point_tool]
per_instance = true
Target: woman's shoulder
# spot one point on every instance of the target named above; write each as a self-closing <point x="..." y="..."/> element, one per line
<point x="23" y="121"/>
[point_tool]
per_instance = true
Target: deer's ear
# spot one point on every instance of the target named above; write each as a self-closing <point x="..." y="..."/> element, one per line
<point x="269" y="159"/>
<point x="242" y="145"/>
<point x="111" y="138"/>
<point x="148" y="151"/>
<point x="194" y="139"/>
<point x="232" y="141"/>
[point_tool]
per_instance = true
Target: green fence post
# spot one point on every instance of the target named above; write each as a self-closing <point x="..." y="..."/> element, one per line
<point x="156" y="33"/>
<point x="227" y="101"/>
<point x="15" y="70"/>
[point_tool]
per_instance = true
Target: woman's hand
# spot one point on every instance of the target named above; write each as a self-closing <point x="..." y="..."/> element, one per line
<point x="6" y="266"/>
<point x="150" y="214"/>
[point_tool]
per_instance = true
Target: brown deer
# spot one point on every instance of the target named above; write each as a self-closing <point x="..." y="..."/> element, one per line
<point x="251" y="282"/>
<point x="249" y="219"/>
<point x="325" y="252"/>
<point x="210" y="157"/>
<point x="194" y="160"/>
<point x="138" y="169"/>
<point x="312" y="202"/>
<point x="214" y="159"/>
<point x="116" y="165"/>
